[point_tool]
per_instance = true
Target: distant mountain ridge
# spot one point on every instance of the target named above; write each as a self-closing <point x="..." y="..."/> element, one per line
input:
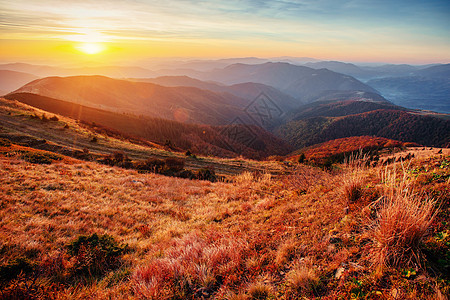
<point x="427" y="88"/>
<point x="300" y="82"/>
<point x="247" y="90"/>
<point x="110" y="71"/>
<point x="186" y="104"/>
<point x="12" y="80"/>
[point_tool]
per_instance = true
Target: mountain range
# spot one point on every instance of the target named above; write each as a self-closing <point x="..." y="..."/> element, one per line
<point x="12" y="80"/>
<point x="301" y="106"/>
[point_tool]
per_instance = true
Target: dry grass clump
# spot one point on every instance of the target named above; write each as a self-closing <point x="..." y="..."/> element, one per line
<point x="353" y="179"/>
<point x="403" y="219"/>
<point x="285" y="252"/>
<point x="259" y="291"/>
<point x="302" y="279"/>
<point x="352" y="185"/>
<point x="193" y="267"/>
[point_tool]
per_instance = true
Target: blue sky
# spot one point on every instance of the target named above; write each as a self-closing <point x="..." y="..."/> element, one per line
<point x="414" y="30"/>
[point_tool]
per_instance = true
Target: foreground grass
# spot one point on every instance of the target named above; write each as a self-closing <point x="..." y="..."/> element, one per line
<point x="311" y="234"/>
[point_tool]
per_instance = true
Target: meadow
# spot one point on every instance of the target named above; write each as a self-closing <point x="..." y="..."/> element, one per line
<point x="82" y="230"/>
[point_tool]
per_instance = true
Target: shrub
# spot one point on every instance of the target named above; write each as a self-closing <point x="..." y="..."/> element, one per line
<point x="40" y="157"/>
<point x="95" y="254"/>
<point x="206" y="174"/>
<point x="94" y="139"/>
<point x="151" y="165"/>
<point x="174" y="164"/>
<point x="186" y="174"/>
<point x="44" y="118"/>
<point x="23" y="288"/>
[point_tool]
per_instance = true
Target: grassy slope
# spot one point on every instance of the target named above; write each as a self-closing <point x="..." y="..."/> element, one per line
<point x="17" y="125"/>
<point x="256" y="237"/>
<point x="200" y="139"/>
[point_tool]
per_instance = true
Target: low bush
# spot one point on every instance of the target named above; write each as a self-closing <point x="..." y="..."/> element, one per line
<point x="301" y="158"/>
<point x="150" y="165"/>
<point x="174" y="164"/>
<point x="94" y="255"/>
<point x="206" y="174"/>
<point x="40" y="157"/>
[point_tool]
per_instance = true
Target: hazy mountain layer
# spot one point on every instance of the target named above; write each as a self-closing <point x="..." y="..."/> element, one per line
<point x="184" y="104"/>
<point x="12" y="80"/>
<point x="297" y="81"/>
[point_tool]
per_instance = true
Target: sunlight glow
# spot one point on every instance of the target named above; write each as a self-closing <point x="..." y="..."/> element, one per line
<point x="90" y="48"/>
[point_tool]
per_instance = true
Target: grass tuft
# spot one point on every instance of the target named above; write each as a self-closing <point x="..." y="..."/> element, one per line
<point x="403" y="220"/>
<point x="302" y="279"/>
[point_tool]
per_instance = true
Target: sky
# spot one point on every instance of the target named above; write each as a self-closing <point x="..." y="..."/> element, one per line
<point x="391" y="31"/>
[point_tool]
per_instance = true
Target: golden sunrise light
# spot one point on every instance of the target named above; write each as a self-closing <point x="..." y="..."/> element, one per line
<point x="224" y="149"/>
<point x="90" y="48"/>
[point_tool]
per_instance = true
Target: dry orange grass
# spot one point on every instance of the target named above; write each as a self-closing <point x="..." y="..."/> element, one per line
<point x="403" y="220"/>
<point x="302" y="279"/>
<point x="353" y="179"/>
<point x="197" y="239"/>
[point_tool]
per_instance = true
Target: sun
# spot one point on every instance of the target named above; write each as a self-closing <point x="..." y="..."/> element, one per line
<point x="90" y="48"/>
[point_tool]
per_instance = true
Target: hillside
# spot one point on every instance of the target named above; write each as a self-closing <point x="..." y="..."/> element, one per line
<point x="185" y="104"/>
<point x="391" y="124"/>
<point x="12" y="80"/>
<point x="83" y="230"/>
<point x="338" y="108"/>
<point x="247" y="90"/>
<point x="250" y="141"/>
<point x="339" y="149"/>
